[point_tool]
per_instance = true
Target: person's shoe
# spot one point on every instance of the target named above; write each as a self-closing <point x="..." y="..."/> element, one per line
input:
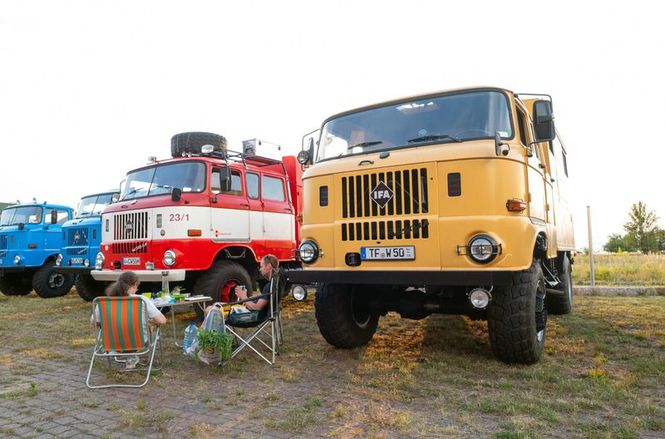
<point x="131" y="362"/>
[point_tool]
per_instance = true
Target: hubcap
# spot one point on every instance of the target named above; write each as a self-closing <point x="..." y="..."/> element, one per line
<point x="56" y="280"/>
<point x="227" y="291"/>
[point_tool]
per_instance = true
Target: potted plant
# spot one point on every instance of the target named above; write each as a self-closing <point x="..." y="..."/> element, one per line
<point x="214" y="344"/>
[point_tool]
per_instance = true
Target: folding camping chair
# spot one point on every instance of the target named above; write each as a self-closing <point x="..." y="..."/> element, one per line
<point x="266" y="334"/>
<point x="122" y="335"/>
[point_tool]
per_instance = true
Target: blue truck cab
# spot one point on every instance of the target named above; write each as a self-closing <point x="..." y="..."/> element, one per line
<point x="30" y="241"/>
<point x="82" y="237"/>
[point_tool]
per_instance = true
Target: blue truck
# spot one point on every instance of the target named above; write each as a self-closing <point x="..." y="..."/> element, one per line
<point x="82" y="236"/>
<point x="30" y="241"/>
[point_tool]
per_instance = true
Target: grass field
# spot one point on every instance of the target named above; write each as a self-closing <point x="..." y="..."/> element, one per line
<point x="621" y="269"/>
<point x="602" y="376"/>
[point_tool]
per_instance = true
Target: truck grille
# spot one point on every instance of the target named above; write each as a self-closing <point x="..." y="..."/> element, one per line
<point x="77" y="236"/>
<point x="77" y="251"/>
<point x="133" y="225"/>
<point x="380" y="230"/>
<point x="408" y="186"/>
<point x="3" y="241"/>
<point x="135" y="247"/>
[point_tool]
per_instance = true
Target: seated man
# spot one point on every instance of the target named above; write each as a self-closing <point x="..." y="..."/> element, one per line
<point x="268" y="268"/>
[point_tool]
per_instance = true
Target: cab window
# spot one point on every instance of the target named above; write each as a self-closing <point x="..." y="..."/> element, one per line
<point x="236" y="183"/>
<point x="252" y="185"/>
<point x="63" y="216"/>
<point x="273" y="188"/>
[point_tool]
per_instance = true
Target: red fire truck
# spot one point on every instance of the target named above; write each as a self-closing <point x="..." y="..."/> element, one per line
<point x="204" y="218"/>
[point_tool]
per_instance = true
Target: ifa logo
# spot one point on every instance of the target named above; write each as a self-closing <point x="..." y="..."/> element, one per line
<point x="381" y="194"/>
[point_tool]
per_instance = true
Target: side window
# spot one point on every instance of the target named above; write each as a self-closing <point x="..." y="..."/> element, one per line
<point x="522" y="127"/>
<point x="252" y="181"/>
<point x="63" y="216"/>
<point x="273" y="188"/>
<point x="236" y="183"/>
<point x="559" y="146"/>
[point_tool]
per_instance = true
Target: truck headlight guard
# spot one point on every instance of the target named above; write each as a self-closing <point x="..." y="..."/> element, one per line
<point x="99" y="261"/>
<point x="169" y="258"/>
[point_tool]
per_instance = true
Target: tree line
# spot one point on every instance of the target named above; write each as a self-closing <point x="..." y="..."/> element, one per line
<point x="642" y="232"/>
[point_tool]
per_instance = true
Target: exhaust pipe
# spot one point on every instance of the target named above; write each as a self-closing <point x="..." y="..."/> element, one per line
<point x="480" y="297"/>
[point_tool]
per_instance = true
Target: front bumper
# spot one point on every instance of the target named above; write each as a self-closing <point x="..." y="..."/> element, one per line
<point x="405" y="278"/>
<point x="144" y="275"/>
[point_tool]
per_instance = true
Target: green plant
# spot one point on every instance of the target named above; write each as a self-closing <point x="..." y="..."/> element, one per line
<point x="217" y="340"/>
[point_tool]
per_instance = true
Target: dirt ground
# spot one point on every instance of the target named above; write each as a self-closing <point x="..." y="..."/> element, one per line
<point x="602" y="375"/>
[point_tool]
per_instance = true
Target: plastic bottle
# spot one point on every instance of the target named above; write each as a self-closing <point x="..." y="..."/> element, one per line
<point x="191" y="332"/>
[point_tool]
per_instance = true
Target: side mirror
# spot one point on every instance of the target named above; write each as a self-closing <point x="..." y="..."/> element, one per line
<point x="543" y="121"/>
<point x="54" y="217"/>
<point x="176" y="194"/>
<point x="225" y="179"/>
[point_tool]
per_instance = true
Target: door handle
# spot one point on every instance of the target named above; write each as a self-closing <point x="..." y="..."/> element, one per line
<point x="365" y="162"/>
<point x="244" y="204"/>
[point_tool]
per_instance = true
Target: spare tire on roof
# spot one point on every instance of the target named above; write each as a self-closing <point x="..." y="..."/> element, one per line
<point x="192" y="142"/>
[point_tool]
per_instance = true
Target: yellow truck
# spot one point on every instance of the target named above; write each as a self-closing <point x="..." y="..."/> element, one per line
<point x="451" y="202"/>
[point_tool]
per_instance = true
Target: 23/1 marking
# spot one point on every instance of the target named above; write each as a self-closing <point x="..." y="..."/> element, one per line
<point x="178" y="217"/>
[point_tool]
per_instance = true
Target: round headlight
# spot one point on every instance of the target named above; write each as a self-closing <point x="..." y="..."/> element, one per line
<point x="169" y="258"/>
<point x="480" y="298"/>
<point x="303" y="157"/>
<point x="482" y="248"/>
<point x="99" y="261"/>
<point x="86" y="262"/>
<point x="17" y="260"/>
<point x="299" y="292"/>
<point x="58" y="260"/>
<point x="308" y="251"/>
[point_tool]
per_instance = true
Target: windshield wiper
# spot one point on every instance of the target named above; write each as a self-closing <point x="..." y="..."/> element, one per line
<point x="433" y="137"/>
<point x="364" y="144"/>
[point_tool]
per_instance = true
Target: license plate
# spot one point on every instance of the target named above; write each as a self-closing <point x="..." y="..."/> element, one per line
<point x="131" y="261"/>
<point x="403" y="253"/>
<point x="76" y="260"/>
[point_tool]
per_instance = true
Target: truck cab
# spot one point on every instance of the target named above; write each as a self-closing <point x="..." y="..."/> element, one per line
<point x="451" y="202"/>
<point x="82" y="236"/>
<point x="202" y="219"/>
<point x="30" y="240"/>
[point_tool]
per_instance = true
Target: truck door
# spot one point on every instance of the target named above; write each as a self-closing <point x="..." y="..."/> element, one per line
<point x="535" y="170"/>
<point x="229" y="209"/>
<point x="53" y="239"/>
<point x="252" y="183"/>
<point x="278" y="216"/>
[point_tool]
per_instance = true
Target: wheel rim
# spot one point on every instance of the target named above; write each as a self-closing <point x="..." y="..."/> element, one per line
<point x="227" y="290"/>
<point x="360" y="312"/>
<point x="56" y="280"/>
<point x="569" y="288"/>
<point x="541" y="312"/>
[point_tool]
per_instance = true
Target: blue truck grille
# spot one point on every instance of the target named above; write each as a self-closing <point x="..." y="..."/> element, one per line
<point x="77" y="251"/>
<point x="77" y="237"/>
<point x="3" y="241"/>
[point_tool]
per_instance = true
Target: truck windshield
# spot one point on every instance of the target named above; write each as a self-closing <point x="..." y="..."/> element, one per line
<point x="442" y="119"/>
<point x="159" y="180"/>
<point x="93" y="205"/>
<point x="18" y="215"/>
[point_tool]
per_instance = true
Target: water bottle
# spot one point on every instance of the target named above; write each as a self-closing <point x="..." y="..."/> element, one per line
<point x="191" y="332"/>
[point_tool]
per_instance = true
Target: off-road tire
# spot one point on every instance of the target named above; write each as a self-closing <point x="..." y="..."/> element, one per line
<point x="88" y="288"/>
<point x="344" y="322"/>
<point x="48" y="282"/>
<point x="16" y="285"/>
<point x="517" y="317"/>
<point x="562" y="304"/>
<point x="221" y="273"/>
<point x="192" y="142"/>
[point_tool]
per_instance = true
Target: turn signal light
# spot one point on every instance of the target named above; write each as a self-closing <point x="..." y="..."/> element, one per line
<point x="32" y="245"/>
<point x="194" y="232"/>
<point x="515" y="205"/>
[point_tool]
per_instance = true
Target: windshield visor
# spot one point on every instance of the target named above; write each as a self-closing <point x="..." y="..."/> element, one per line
<point x="94" y="205"/>
<point x="21" y="215"/>
<point x="443" y="119"/>
<point x="159" y="180"/>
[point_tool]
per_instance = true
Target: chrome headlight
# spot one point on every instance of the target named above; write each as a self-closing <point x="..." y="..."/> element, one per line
<point x="86" y="262"/>
<point x="308" y="251"/>
<point x="482" y="248"/>
<point x="99" y="261"/>
<point x="58" y="260"/>
<point x="299" y="292"/>
<point x="17" y="260"/>
<point x="169" y="258"/>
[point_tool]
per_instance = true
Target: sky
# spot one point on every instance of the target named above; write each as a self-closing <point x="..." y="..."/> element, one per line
<point x="91" y="89"/>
